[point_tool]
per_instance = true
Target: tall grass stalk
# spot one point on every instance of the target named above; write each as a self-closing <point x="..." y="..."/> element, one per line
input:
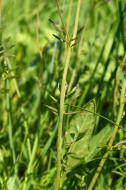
<point x="62" y="98"/>
<point x="69" y="15"/>
<point x="119" y="117"/>
<point x="78" y="55"/>
<point x="68" y="23"/>
<point x="61" y="18"/>
<point x="62" y="95"/>
<point x="76" y="20"/>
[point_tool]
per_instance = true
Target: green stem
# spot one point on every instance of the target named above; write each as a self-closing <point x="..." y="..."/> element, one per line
<point x="101" y="164"/>
<point x="59" y="11"/>
<point x="78" y="55"/>
<point x="76" y="20"/>
<point x="62" y="98"/>
<point x="69" y="14"/>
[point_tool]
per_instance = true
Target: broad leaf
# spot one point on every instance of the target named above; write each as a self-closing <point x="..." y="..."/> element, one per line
<point x="98" y="141"/>
<point x="78" y="135"/>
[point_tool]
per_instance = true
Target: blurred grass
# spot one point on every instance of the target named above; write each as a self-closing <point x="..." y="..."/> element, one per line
<point x="28" y="128"/>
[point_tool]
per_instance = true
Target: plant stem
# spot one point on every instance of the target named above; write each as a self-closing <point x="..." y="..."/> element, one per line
<point x="59" y="11"/>
<point x="121" y="108"/>
<point x="78" y="55"/>
<point x="76" y="20"/>
<point x="69" y="14"/>
<point x="62" y="98"/>
<point x="68" y="22"/>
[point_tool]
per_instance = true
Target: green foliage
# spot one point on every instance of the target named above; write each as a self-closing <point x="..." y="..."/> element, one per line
<point x="98" y="142"/>
<point x="78" y="136"/>
<point x="28" y="128"/>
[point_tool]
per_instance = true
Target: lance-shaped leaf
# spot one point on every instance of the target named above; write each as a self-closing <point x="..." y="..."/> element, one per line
<point x="57" y="27"/>
<point x="78" y="135"/>
<point x="98" y="141"/>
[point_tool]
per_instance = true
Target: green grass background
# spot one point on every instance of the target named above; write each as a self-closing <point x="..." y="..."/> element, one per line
<point x="28" y="129"/>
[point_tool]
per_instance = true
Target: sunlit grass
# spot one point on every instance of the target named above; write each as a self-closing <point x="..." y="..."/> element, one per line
<point x="35" y="97"/>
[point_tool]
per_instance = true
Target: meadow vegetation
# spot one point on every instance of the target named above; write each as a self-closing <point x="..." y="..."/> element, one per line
<point x="62" y="95"/>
